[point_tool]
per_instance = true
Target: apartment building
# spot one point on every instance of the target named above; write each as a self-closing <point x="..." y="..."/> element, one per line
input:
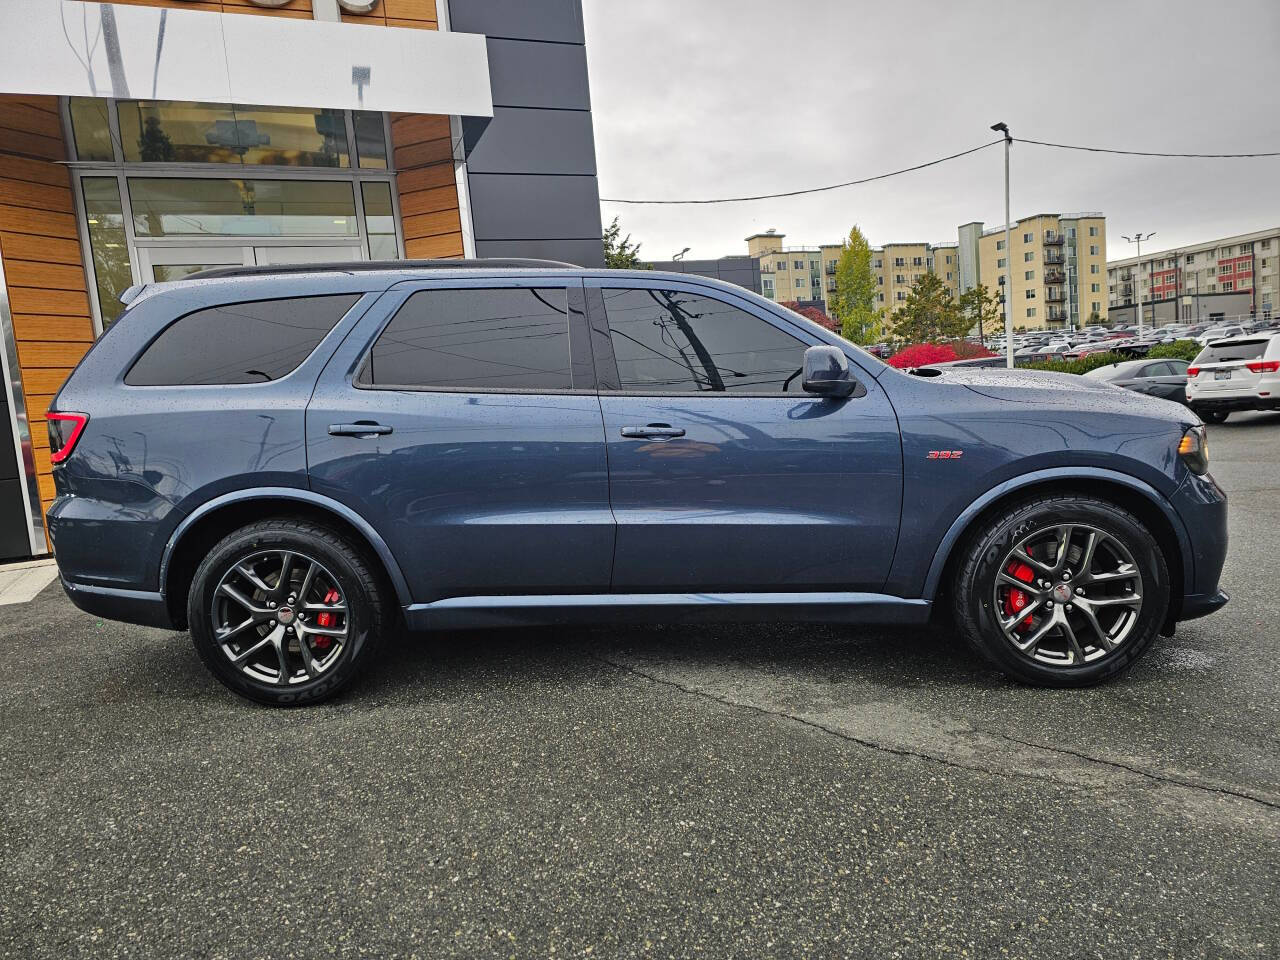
<point x="1055" y="270"/>
<point x="788" y="273"/>
<point x="1227" y="279"/>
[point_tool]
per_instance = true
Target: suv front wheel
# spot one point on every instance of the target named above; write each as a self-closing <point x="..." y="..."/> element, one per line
<point x="286" y="611"/>
<point x="1061" y="590"/>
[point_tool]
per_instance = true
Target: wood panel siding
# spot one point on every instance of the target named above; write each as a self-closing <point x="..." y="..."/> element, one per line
<point x="43" y="269"/>
<point x="423" y="153"/>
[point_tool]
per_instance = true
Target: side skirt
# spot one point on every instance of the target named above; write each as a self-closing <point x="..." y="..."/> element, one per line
<point x="456" y="613"/>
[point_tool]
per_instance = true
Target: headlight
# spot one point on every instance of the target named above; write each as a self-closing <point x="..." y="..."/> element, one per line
<point x="1193" y="448"/>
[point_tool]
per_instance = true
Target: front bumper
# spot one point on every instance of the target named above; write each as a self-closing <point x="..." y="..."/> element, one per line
<point x="1198" y="605"/>
<point x="131" y="606"/>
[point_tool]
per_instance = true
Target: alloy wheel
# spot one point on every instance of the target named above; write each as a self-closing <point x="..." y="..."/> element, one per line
<point x="1067" y="595"/>
<point x="280" y="617"/>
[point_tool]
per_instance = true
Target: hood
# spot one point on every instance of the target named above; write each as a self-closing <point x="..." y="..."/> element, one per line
<point x="1058" y="389"/>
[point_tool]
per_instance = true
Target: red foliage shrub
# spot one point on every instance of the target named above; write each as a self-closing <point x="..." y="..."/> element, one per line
<point x="921" y="355"/>
<point x="814" y="314"/>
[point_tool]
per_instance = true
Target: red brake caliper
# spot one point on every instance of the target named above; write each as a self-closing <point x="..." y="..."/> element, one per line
<point x="325" y="619"/>
<point x="1016" y="600"/>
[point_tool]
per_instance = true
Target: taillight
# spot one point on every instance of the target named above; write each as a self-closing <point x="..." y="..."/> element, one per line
<point x="64" y="432"/>
<point x="1193" y="371"/>
<point x="1263" y="366"/>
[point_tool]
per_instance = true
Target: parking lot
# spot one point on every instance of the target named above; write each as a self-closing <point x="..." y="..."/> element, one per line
<point x="759" y="791"/>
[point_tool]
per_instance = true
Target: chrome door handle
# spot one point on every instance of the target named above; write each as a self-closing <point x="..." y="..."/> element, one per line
<point x="654" y="431"/>
<point x="361" y="428"/>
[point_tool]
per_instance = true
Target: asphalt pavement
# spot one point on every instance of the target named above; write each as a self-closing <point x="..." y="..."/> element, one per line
<point x="728" y="791"/>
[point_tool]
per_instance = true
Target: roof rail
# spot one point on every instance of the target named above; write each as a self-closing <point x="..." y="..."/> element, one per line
<point x="364" y="266"/>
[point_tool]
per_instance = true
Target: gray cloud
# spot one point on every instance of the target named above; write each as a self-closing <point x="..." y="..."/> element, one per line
<point x="702" y="98"/>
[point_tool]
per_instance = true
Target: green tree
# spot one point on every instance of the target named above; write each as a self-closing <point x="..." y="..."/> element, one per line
<point x="982" y="310"/>
<point x="929" y="313"/>
<point x="854" y="302"/>
<point x="619" y="252"/>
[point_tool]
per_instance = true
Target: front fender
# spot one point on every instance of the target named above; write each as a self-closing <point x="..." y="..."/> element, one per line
<point x="942" y="551"/>
<point x="366" y="530"/>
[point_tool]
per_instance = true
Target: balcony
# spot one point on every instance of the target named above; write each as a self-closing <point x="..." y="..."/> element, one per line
<point x="1057" y="315"/>
<point x="1052" y="256"/>
<point x="831" y="285"/>
<point x="831" y="270"/>
<point x="1055" y="295"/>
<point x="1052" y="239"/>
<point x="1055" y="276"/>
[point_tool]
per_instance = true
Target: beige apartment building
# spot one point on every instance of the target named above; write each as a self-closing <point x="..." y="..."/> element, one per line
<point x="1056" y="268"/>
<point x="1059" y="274"/>
<point x="1229" y="279"/>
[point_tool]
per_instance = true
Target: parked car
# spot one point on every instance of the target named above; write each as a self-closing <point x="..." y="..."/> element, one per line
<point x="292" y="461"/>
<point x="1242" y="373"/>
<point x="1166" y="379"/>
<point x="1219" y="333"/>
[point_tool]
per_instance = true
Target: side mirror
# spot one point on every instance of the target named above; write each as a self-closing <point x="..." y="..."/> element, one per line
<point x="826" y="372"/>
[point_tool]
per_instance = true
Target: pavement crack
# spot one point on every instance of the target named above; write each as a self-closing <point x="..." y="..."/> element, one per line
<point x="945" y="761"/>
<point x="832" y="731"/>
<point x="1139" y="771"/>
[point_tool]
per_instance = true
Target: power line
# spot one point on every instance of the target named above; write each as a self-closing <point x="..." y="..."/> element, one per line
<point x="954" y="156"/>
<point x="834" y="186"/>
<point x="1147" y="153"/>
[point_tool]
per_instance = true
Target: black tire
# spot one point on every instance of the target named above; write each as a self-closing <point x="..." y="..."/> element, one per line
<point x="987" y="549"/>
<point x="369" y="612"/>
<point x="1213" y="416"/>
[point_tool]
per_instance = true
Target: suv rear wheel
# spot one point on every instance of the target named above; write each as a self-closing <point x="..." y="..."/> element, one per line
<point x="286" y="612"/>
<point x="1061" y="591"/>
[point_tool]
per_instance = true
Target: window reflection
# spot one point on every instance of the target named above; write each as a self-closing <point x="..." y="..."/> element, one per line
<point x="380" y="221"/>
<point x="91" y="128"/>
<point x="371" y="139"/>
<point x="107" y="243"/>
<point x="172" y="206"/>
<point x="169" y="131"/>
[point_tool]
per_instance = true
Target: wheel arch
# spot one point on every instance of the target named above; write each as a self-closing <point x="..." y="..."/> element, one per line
<point x="215" y="519"/>
<point x="1134" y="495"/>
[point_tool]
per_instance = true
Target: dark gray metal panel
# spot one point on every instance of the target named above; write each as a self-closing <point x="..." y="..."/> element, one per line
<point x="522" y="140"/>
<point x="743" y="271"/>
<point x="8" y="459"/>
<point x="584" y="253"/>
<point x="556" y="20"/>
<point x="524" y="74"/>
<point x="514" y="207"/>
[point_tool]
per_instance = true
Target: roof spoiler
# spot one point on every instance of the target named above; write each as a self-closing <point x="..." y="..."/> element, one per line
<point x="132" y="293"/>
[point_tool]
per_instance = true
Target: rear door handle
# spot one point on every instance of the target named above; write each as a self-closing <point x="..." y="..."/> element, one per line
<point x="361" y="428"/>
<point x="654" y="431"/>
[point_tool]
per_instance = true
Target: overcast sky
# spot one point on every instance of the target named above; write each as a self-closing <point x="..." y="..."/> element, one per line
<point x="709" y="98"/>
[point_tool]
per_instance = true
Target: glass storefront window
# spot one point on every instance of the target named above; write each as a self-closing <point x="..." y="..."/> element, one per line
<point x="371" y="139"/>
<point x="107" y="243"/>
<point x="92" y="129"/>
<point x="169" y="131"/>
<point x="173" y="206"/>
<point x="380" y="221"/>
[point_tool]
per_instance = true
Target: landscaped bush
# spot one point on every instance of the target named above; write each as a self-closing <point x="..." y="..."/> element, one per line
<point x="923" y="354"/>
<point x="1186" y="350"/>
<point x="1091" y="362"/>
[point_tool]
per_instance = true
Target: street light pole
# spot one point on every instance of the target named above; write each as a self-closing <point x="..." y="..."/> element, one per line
<point x="1008" y="250"/>
<point x="1137" y="281"/>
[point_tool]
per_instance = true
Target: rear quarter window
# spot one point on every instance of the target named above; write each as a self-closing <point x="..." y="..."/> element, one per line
<point x="252" y="342"/>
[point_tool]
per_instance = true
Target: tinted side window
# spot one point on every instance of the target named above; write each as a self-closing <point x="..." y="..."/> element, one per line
<point x="239" y="342"/>
<point x="668" y="341"/>
<point x="506" y="339"/>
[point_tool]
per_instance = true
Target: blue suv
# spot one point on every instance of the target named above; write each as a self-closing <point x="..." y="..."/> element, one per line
<point x="292" y="463"/>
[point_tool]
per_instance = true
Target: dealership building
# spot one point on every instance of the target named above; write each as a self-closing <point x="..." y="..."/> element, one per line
<point x="144" y="140"/>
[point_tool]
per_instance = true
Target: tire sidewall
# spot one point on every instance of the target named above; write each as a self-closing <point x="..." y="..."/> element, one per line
<point x="979" y="601"/>
<point x="335" y="557"/>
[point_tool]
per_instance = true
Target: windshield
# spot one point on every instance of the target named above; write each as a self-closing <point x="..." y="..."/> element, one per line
<point x="1238" y="350"/>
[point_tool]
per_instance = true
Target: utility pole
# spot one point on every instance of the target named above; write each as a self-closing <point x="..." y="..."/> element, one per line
<point x="1137" y="280"/>
<point x="1008" y="250"/>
